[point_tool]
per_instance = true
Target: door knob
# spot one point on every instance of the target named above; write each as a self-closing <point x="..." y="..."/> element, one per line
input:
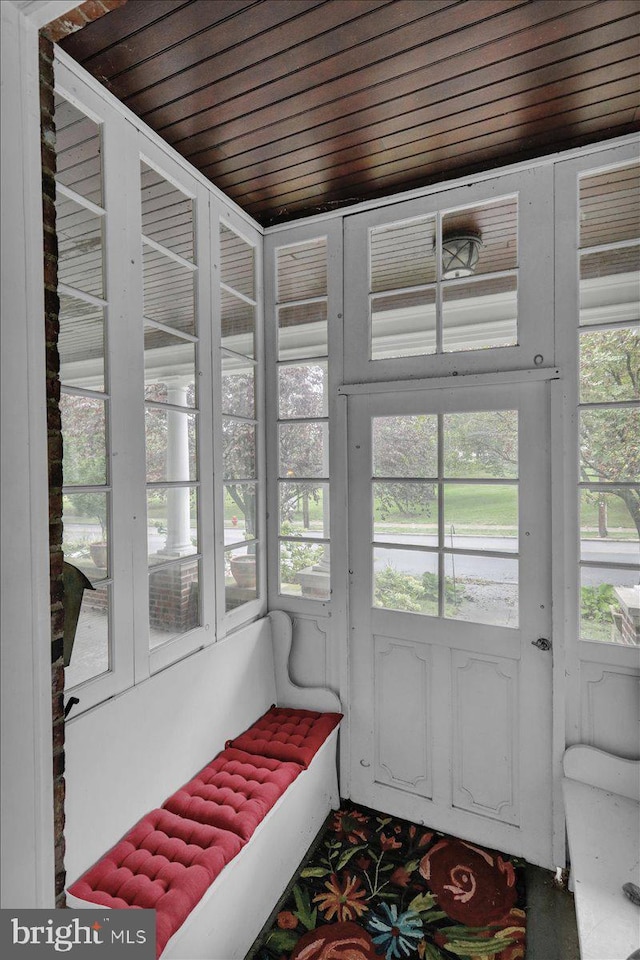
<point x="542" y="643"/>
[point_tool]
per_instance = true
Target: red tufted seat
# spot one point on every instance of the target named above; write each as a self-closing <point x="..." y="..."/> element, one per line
<point x="288" y="735"/>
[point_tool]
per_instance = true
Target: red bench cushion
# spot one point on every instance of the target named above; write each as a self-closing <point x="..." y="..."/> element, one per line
<point x="234" y="792"/>
<point x="287" y="735"/>
<point x="165" y="862"/>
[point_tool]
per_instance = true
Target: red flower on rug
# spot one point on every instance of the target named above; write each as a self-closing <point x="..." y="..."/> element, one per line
<point x="351" y="825"/>
<point x="336" y="941"/>
<point x="472" y="885"/>
<point x="342" y="900"/>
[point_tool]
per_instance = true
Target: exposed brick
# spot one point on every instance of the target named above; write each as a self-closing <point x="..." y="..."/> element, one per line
<point x="58" y="737"/>
<point x="50" y="244"/>
<point x="45" y="48"/>
<point x="51" y="303"/>
<point x="56" y="648"/>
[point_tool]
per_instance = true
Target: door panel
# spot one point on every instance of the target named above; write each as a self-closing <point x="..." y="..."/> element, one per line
<point x="450" y="585"/>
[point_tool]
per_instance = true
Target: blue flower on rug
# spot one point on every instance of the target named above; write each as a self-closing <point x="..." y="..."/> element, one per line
<point x="398" y="935"/>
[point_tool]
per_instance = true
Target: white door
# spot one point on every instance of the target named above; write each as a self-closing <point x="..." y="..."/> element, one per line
<point x="450" y="611"/>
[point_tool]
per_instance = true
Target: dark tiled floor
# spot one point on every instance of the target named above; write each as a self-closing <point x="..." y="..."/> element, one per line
<point x="551" y="919"/>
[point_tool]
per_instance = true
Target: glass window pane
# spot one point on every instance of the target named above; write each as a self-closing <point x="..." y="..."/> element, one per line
<point x="79" y="247"/>
<point x="481" y="516"/>
<point x="610" y="605"/>
<point x="169" y="368"/>
<point x="304" y="450"/>
<point x="405" y="446"/>
<point x="610" y="444"/>
<point x="610" y="206"/>
<point x="78" y="147"/>
<point x="240" y="576"/>
<point x="174" y="601"/>
<point x="608" y="530"/>
<point x="483" y="444"/>
<point x="481" y="589"/>
<point x="610" y="365"/>
<point x="239" y="443"/>
<point x="238" y="386"/>
<point x="495" y="224"/>
<point x="610" y="286"/>
<point x="172" y="523"/>
<point x="304" y="569"/>
<point x="405" y="580"/>
<point x="84" y="434"/>
<point x="169" y="295"/>
<point x="304" y="509"/>
<point x="302" y="390"/>
<point x="237" y="257"/>
<point x="85" y="539"/>
<point x="302" y="331"/>
<point x="91" y="655"/>
<point x="240" y="510"/>
<point x="403" y="255"/>
<point x="238" y="325"/>
<point x="167" y="214"/>
<point x="81" y="344"/>
<point x="403" y="325"/>
<point x="405" y="511"/>
<point x="301" y="270"/>
<point x="480" y="314"/>
<point x="170" y="445"/>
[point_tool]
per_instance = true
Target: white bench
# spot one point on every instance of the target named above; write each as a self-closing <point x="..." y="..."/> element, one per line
<point x="601" y="797"/>
<point x="220" y="927"/>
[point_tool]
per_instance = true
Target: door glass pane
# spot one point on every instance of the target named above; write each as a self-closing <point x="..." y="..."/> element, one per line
<point x="239" y="450"/>
<point x="85" y="540"/>
<point x="78" y="149"/>
<point x="610" y="206"/>
<point x="609" y="288"/>
<point x="79" y="247"/>
<point x="169" y="368"/>
<point x="480" y="314"/>
<point x="608" y="530"/>
<point x="403" y="324"/>
<point x="84" y="432"/>
<point x="301" y="270"/>
<point x="240" y="576"/>
<point x="172" y="523"/>
<point x="169" y="291"/>
<point x="239" y="512"/>
<point x="496" y="227"/>
<point x="238" y="325"/>
<point x="405" y="512"/>
<point x="405" y="580"/>
<point x="170" y="445"/>
<point x="167" y="214"/>
<point x="304" y="509"/>
<point x="304" y="450"/>
<point x="302" y="390"/>
<point x="481" y="589"/>
<point x="610" y="365"/>
<point x="405" y="446"/>
<point x="403" y="255"/>
<point x="481" y="516"/>
<point x="302" y="330"/>
<point x="81" y="344"/>
<point x="91" y="655"/>
<point x="483" y="444"/>
<point x="304" y="569"/>
<point x="610" y="605"/>
<point x="610" y="444"/>
<point x="238" y="386"/>
<point x="174" y="600"/>
<point x="237" y="257"/>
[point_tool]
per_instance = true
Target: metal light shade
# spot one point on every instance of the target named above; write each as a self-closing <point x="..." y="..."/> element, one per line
<point x="460" y="253"/>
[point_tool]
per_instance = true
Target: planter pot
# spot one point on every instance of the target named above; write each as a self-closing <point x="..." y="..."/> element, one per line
<point x="98" y="553"/>
<point x="243" y="570"/>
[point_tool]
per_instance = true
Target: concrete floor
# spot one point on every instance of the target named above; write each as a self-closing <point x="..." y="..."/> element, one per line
<point x="551" y="918"/>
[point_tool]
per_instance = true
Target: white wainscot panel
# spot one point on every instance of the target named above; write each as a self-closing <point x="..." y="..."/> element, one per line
<point x="610" y="699"/>
<point x="485" y="728"/>
<point x="402" y="676"/>
<point x="308" y="661"/>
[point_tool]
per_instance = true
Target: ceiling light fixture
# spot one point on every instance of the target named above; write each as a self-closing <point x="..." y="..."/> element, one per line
<point x="460" y="253"/>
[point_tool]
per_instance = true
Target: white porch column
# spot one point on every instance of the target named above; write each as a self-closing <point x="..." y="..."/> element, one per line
<point x="178" y="542"/>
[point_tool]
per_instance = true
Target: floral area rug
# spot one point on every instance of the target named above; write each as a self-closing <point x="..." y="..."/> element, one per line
<point x="379" y="888"/>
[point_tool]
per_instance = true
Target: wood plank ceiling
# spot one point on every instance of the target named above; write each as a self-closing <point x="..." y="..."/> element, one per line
<point x="297" y="106"/>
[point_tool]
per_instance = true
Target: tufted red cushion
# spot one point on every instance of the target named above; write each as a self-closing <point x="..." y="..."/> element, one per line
<point x="234" y="792"/>
<point x="165" y="862"/>
<point x="288" y="735"/>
